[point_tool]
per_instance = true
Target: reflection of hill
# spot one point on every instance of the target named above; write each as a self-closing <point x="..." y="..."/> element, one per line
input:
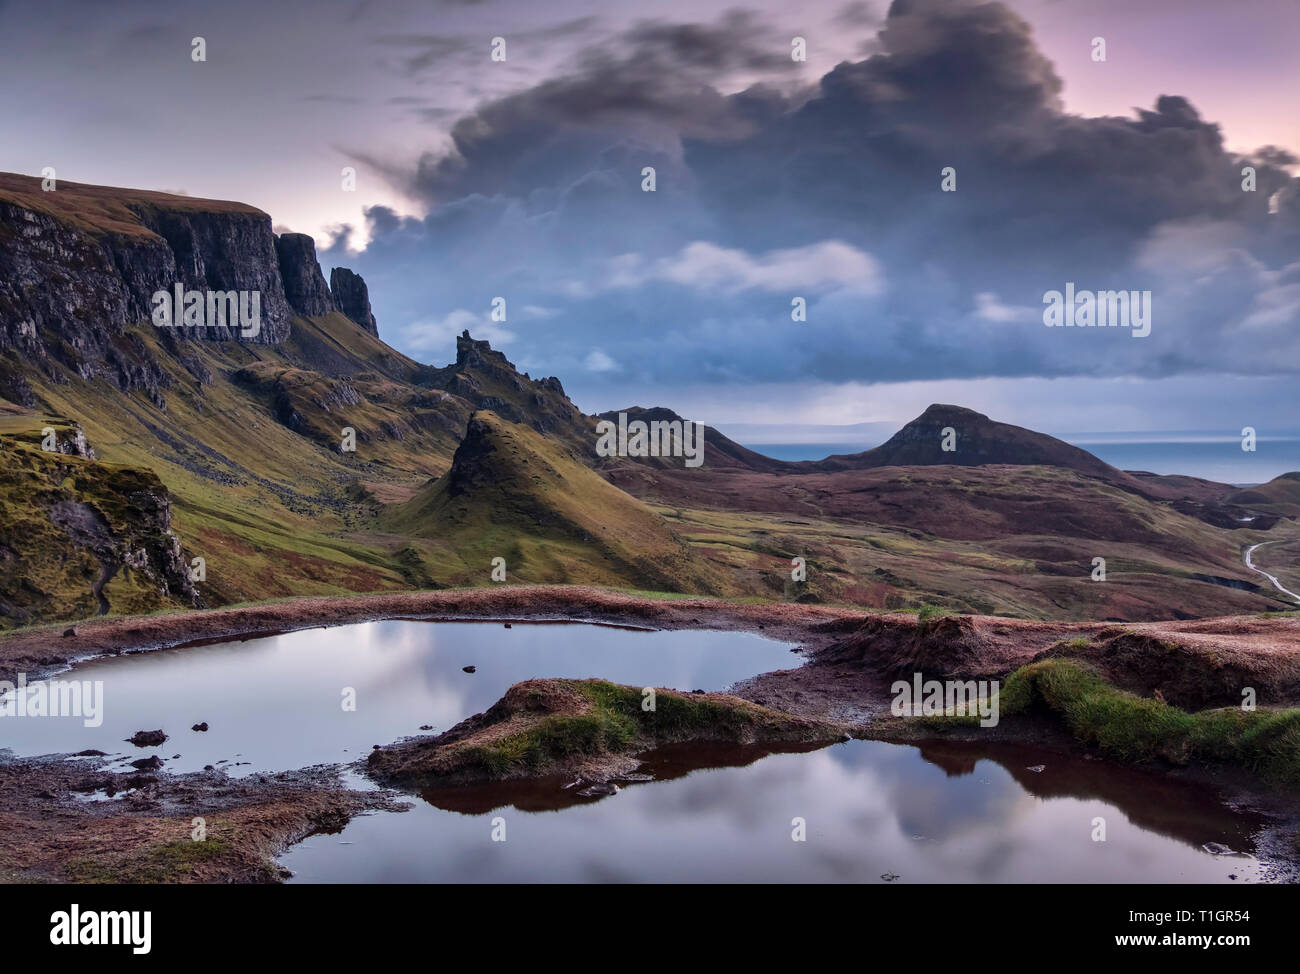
<point x="550" y="794"/>
<point x="1183" y="810"/>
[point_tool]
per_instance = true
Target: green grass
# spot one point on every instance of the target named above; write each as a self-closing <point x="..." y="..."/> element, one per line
<point x="615" y="723"/>
<point x="167" y="863"/>
<point x="929" y="612"/>
<point x="1139" y="729"/>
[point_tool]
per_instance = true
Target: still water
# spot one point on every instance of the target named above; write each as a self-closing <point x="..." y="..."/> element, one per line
<point x="277" y="702"/>
<point x="867" y="811"/>
<point x="872" y="812"/>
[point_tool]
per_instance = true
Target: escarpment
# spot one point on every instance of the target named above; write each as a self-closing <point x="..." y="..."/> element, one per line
<point x="80" y="264"/>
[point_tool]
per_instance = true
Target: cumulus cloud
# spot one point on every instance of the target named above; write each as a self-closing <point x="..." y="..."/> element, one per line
<point x="436" y="334"/>
<point x="707" y="267"/>
<point x="773" y="188"/>
<point x="598" y="361"/>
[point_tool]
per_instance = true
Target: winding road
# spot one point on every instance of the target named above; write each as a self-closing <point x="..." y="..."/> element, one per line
<point x="1272" y="578"/>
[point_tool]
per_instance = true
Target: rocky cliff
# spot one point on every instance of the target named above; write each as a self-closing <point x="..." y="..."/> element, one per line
<point x="352" y="297"/>
<point x="304" y="284"/>
<point x="79" y="264"/>
<point x="485" y="378"/>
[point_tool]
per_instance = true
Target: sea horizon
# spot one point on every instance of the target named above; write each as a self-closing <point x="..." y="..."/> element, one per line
<point x="1207" y="454"/>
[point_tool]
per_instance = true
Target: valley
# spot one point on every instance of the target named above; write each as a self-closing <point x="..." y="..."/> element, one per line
<point x="174" y="493"/>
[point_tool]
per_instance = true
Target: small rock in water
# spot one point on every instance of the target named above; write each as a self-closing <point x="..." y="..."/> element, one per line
<point x="889" y="877"/>
<point x="90" y="752"/>
<point x="507" y="625"/>
<point x="70" y="631"/>
<point x="1217" y="849"/>
<point x="426" y="727"/>
<point x="151" y="763"/>
<point x="200" y="727"/>
<point x="469" y="669"/>
<point x="147" y="738"/>
<point x="1036" y="768"/>
<point x="845" y="737"/>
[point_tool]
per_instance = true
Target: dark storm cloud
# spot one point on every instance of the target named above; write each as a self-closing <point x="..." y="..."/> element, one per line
<point x="432" y="49"/>
<point x="857" y="14"/>
<point x="832" y="192"/>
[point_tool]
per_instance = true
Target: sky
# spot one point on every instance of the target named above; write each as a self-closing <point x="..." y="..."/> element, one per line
<point x="775" y="179"/>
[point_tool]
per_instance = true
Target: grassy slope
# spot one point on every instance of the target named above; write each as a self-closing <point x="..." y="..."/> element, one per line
<point x="103" y="209"/>
<point x="261" y="491"/>
<point x="277" y="512"/>
<point x="551" y="517"/>
<point x="974" y="547"/>
<point x="262" y="504"/>
<point x="1141" y="729"/>
<point x="40" y="568"/>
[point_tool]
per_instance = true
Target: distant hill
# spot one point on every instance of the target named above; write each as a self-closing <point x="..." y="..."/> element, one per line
<point x="720" y="451"/>
<point x="1281" y="495"/>
<point x="313" y="458"/>
<point x="977" y="440"/>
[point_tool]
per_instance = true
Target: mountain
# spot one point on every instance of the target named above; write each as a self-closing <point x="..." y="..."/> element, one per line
<point x="516" y="494"/>
<point x="486" y="379"/>
<point x="312" y="458"/>
<point x="975" y="440"/>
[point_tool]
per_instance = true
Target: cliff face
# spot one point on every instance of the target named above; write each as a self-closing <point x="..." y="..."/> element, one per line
<point x="304" y="284"/>
<point x="80" y="263"/>
<point x="352" y="297"/>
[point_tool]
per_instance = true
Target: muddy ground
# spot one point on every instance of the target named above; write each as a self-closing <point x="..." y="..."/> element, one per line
<point x="58" y="823"/>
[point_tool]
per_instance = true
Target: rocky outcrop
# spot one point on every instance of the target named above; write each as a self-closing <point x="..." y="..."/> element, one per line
<point x="81" y="537"/>
<point x="352" y="297"/>
<point x="588" y="727"/>
<point x="80" y="264"/>
<point x="304" y="284"/>
<point x="488" y="380"/>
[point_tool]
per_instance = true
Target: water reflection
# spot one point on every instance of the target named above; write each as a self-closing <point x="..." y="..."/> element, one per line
<point x="943" y="813"/>
<point x="277" y="702"/>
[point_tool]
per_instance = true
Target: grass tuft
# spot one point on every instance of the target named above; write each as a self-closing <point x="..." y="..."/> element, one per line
<point x="1138" y="729"/>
